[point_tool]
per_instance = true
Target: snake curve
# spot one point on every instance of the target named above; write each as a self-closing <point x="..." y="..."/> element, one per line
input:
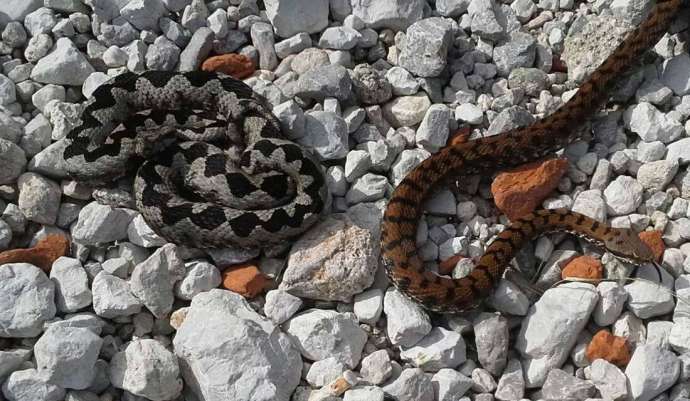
<point x="488" y="155"/>
<point x="212" y="166"/>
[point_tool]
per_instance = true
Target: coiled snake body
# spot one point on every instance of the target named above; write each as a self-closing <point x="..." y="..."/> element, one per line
<point x="212" y="168"/>
<point x="490" y="154"/>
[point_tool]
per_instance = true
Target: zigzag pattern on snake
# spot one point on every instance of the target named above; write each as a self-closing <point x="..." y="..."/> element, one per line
<point x="490" y="154"/>
<point x="212" y="168"/>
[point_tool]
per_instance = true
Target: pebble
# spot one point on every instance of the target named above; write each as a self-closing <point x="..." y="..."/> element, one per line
<point x="376" y="367"/>
<point x="426" y="47"/>
<point x="290" y="17"/>
<point x="450" y="385"/>
<point x="31" y="385"/>
<point x="406" y="111"/>
<point x="562" y="385"/>
<point x="396" y="15"/>
<point x="199" y="276"/>
<point x="147" y="369"/>
<point x="321" y="334"/>
<point x="437" y="350"/>
<point x="407" y="322"/>
<point x="433" y="131"/>
<point x="152" y="280"/>
<point x="651" y="371"/>
<point x="29" y="290"/>
<point x="411" y="385"/>
<point x="208" y="337"/>
<point x="66" y="356"/>
<point x="321" y="263"/>
<point x="549" y="332"/>
<point x="65" y="65"/>
<point x="112" y="297"/>
<point x="72" y="291"/>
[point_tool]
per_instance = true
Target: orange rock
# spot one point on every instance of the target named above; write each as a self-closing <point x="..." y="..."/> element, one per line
<point x="246" y="280"/>
<point x="519" y="191"/>
<point x="606" y="346"/>
<point x="447" y="266"/>
<point x="653" y="240"/>
<point x="462" y="135"/>
<point x="42" y="255"/>
<point x="583" y="267"/>
<point x="236" y="65"/>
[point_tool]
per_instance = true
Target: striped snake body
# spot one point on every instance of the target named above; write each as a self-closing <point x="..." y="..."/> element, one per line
<point x="488" y="155"/>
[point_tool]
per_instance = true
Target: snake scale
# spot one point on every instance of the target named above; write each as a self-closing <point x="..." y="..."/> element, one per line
<point x="488" y="155"/>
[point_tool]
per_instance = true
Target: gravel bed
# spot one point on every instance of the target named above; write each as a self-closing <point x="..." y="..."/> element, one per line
<point x="372" y="88"/>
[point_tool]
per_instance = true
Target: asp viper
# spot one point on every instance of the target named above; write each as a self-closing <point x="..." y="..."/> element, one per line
<point x="488" y="155"/>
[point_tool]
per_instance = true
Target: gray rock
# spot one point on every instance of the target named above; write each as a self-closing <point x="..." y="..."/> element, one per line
<point x="28" y="295"/>
<point x="326" y="134"/>
<point x="411" y="385"/>
<point x="197" y="50"/>
<point x="112" y="297"/>
<point x="511" y="385"/>
<point x="67" y="355"/>
<point x="491" y="337"/>
<point x="101" y="224"/>
<point x="608" y="379"/>
<point x="368" y="306"/>
<point x="612" y="297"/>
<point x="561" y="385"/>
<point x="17" y="9"/>
<point x="439" y="349"/>
<point x="199" y="276"/>
<point x="153" y="280"/>
<point x="39" y="198"/>
<point x="368" y="188"/>
<point x="290" y="17"/>
<point x="65" y="65"/>
<point x="519" y="51"/>
<point x="339" y="38"/>
<point x="330" y="80"/>
<point x="396" y="15"/>
<point x="12" y="360"/>
<point x="147" y="369"/>
<point x="324" y="371"/>
<point x="194" y="15"/>
<point x="162" y="55"/>
<point x="40" y="21"/>
<point x="548" y="333"/>
<point x="433" y="131"/>
<point x="71" y="285"/>
<point x="38" y="47"/>
<point x="676" y="75"/>
<point x="645" y="298"/>
<point x="249" y="368"/>
<point x="452" y="8"/>
<point x="678" y="150"/>
<point x="651" y="371"/>
<point x="144" y="14"/>
<point x="262" y="38"/>
<point x="370" y="85"/>
<point x="366" y="393"/>
<point x="13" y="160"/>
<point x="293" y="44"/>
<point x="450" y="385"/>
<point x="426" y="47"/>
<point x="332" y="261"/>
<point x="407" y="322"/>
<point x="486" y="20"/>
<point x="650" y="124"/>
<point x="376" y="367"/>
<point x="139" y="233"/>
<point x="31" y="385"/>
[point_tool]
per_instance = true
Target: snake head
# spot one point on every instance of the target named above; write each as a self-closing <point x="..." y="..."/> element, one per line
<point x="627" y="245"/>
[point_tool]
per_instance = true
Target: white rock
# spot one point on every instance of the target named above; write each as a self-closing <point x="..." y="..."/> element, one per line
<point x="30" y="385"/>
<point x="112" y="296"/>
<point x="65" y="65"/>
<point x="651" y="371"/>
<point x="321" y="334"/>
<point x="612" y="297"/>
<point x="26" y="294"/>
<point x="411" y="385"/>
<point x="376" y="367"/>
<point x="219" y="361"/>
<point x="67" y="355"/>
<point x="281" y="305"/>
<point x="71" y="284"/>
<point x="623" y="195"/>
<point x="147" y="369"/>
<point x="440" y="349"/>
<point x="199" y="276"/>
<point x="368" y="306"/>
<point x="407" y="322"/>
<point x="551" y="327"/>
<point x="450" y="385"/>
<point x="153" y="280"/>
<point x="608" y="379"/>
